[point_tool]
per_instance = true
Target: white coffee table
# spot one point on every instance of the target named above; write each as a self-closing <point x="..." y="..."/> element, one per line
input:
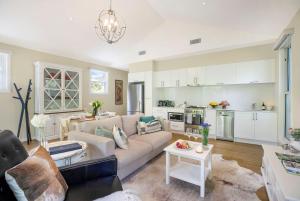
<point x="70" y="157"/>
<point x="189" y="172"/>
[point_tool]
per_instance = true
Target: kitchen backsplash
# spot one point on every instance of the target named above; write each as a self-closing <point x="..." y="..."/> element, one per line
<point x="239" y="96"/>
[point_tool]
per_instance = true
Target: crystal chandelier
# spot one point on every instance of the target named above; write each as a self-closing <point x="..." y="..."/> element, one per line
<point x="109" y="27"/>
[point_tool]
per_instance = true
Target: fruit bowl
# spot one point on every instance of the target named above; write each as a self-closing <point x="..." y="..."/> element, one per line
<point x="183" y="145"/>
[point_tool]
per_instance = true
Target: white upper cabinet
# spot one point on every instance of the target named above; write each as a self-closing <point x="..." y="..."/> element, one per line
<point x="260" y="71"/>
<point x="162" y="79"/>
<point x="177" y="78"/>
<point x="220" y="74"/>
<point x="136" y="77"/>
<point x="195" y="76"/>
<point x="266" y="126"/>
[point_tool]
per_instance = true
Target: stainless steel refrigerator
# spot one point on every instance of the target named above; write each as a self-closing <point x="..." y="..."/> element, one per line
<point x="135" y="98"/>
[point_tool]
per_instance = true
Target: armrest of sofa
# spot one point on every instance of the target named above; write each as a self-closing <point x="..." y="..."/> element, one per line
<point x="89" y="170"/>
<point x="105" y="145"/>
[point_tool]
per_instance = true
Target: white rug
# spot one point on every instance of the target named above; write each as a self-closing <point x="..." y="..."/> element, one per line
<point x="229" y="182"/>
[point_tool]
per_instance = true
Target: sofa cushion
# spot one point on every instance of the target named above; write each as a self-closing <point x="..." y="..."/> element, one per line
<point x="156" y="139"/>
<point x="130" y="123"/>
<point x="90" y="126"/>
<point x="136" y="150"/>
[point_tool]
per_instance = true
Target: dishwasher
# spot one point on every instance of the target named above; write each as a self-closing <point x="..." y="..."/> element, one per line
<point x="225" y="125"/>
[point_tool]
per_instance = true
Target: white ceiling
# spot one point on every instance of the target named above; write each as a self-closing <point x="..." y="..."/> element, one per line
<point x="161" y="27"/>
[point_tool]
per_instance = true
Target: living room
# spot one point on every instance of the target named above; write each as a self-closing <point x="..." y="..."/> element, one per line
<point x="106" y="98"/>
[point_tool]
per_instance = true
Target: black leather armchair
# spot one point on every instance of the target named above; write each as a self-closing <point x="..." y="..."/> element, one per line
<point x="87" y="181"/>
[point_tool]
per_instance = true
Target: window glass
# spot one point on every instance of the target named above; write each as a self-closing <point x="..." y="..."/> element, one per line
<point x="4" y="72"/>
<point x="98" y="81"/>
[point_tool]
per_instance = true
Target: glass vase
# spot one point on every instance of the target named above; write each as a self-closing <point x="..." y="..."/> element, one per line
<point x="43" y="138"/>
<point x="205" y="137"/>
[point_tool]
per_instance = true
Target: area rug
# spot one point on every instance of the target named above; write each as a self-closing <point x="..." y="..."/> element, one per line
<point x="228" y="182"/>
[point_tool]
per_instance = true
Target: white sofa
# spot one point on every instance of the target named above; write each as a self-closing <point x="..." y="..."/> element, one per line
<point x="142" y="148"/>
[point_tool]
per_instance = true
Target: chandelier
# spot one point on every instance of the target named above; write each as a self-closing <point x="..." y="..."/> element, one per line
<point x="109" y="27"/>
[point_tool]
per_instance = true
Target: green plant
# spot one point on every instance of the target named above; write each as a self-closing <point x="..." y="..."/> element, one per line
<point x="295" y="132"/>
<point x="96" y="105"/>
<point x="205" y="132"/>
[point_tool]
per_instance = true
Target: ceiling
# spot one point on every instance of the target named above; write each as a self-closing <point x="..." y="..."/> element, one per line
<point x="162" y="28"/>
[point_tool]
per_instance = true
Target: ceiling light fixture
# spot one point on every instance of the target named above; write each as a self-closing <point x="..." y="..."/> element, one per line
<point x="203" y="3"/>
<point x="109" y="27"/>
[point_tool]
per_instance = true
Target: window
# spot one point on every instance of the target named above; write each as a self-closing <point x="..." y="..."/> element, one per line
<point x="98" y="81"/>
<point x="287" y="94"/>
<point x="4" y="72"/>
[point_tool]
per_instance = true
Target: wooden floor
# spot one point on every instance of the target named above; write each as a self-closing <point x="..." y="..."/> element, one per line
<point x="247" y="155"/>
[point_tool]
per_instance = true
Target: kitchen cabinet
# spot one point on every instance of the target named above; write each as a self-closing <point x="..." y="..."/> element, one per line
<point x="136" y="77"/>
<point x="162" y="79"/>
<point x="148" y="84"/>
<point x="211" y="118"/>
<point x="266" y="126"/>
<point x="257" y="125"/>
<point x="178" y="78"/>
<point x="148" y="107"/>
<point x="260" y="71"/>
<point x="195" y="76"/>
<point x="244" y="125"/>
<point x="220" y="74"/>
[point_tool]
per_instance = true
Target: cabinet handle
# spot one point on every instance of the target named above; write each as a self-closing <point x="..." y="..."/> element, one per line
<point x="253" y="118"/>
<point x="196" y="80"/>
<point x="255" y="115"/>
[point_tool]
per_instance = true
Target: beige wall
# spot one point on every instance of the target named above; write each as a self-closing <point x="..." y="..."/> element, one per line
<point x="295" y="23"/>
<point x="215" y="58"/>
<point x="221" y="57"/>
<point x="22" y="69"/>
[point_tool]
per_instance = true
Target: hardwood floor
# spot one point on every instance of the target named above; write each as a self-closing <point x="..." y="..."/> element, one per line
<point x="247" y="155"/>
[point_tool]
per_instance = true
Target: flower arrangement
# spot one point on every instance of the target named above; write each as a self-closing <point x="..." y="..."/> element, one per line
<point x="39" y="121"/>
<point x="224" y="104"/>
<point x="96" y="104"/>
<point x="205" y="132"/>
<point x="213" y="104"/>
<point x="295" y="132"/>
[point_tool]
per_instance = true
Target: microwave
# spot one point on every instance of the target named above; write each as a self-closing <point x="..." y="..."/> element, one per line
<point x="176" y="116"/>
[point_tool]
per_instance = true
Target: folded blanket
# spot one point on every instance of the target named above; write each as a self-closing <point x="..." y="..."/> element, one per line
<point x="150" y="127"/>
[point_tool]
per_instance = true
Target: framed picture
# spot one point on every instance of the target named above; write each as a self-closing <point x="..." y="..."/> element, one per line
<point x="119" y="92"/>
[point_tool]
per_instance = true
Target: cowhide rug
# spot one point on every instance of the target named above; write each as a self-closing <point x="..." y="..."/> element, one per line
<point x="228" y="182"/>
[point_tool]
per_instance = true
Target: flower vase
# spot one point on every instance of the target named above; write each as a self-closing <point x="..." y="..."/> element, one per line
<point x="95" y="112"/>
<point x="205" y="137"/>
<point x="43" y="138"/>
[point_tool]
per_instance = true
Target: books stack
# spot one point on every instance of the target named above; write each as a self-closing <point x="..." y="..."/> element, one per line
<point x="291" y="163"/>
<point x="64" y="148"/>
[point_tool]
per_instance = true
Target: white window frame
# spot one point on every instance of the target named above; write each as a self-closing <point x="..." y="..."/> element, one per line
<point x="106" y="80"/>
<point x="7" y="72"/>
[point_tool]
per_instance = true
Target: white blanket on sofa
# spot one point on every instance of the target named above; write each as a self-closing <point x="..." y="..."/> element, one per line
<point x="126" y="195"/>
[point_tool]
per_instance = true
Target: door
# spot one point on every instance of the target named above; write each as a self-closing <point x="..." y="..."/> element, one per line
<point x="244" y="125"/>
<point x="52" y="89"/>
<point x="211" y="118"/>
<point x="266" y="126"/>
<point x="220" y="74"/>
<point x="72" y="90"/>
<point x="261" y="71"/>
<point x="195" y="76"/>
<point x="135" y="103"/>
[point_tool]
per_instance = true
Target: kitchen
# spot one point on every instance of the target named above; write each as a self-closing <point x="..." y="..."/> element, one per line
<point x="248" y="86"/>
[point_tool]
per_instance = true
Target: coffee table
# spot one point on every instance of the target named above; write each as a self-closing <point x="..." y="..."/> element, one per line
<point x="70" y="157"/>
<point x="188" y="171"/>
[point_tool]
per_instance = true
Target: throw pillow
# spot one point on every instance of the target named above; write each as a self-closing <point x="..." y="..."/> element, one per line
<point x="147" y="119"/>
<point x="104" y="133"/>
<point x="150" y="127"/>
<point x="120" y="137"/>
<point x="37" y="178"/>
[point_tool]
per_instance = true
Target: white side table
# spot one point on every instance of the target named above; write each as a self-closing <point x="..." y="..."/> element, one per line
<point x="70" y="157"/>
<point x="192" y="173"/>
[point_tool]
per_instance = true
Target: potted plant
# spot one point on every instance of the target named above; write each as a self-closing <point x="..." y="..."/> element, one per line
<point x="39" y="122"/>
<point x="224" y="104"/>
<point x="213" y="104"/>
<point x="295" y="142"/>
<point x="205" y="132"/>
<point x="96" y="105"/>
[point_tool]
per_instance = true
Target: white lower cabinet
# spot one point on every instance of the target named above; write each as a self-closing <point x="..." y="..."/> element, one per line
<point x="259" y="126"/>
<point x="211" y="118"/>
